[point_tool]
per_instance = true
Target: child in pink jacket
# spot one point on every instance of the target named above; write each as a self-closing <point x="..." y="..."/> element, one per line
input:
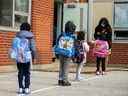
<point x="100" y="51"/>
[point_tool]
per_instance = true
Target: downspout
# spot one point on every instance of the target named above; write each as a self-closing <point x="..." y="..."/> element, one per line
<point x="59" y="17"/>
<point x="90" y="21"/>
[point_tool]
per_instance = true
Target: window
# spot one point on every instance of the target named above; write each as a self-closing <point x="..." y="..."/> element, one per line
<point x="78" y="14"/>
<point x="14" y="12"/>
<point x="121" y="20"/>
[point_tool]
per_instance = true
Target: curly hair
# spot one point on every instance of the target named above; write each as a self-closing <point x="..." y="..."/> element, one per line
<point x="81" y="35"/>
<point x="25" y="26"/>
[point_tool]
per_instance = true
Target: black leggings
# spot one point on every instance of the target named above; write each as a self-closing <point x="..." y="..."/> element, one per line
<point x="23" y="74"/>
<point x="98" y="61"/>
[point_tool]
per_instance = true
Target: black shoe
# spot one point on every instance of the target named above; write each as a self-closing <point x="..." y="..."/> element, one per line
<point x="66" y="83"/>
<point x="60" y="82"/>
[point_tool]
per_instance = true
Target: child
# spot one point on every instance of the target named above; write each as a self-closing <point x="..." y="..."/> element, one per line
<point x="81" y="49"/>
<point x="65" y="50"/>
<point x="24" y="45"/>
<point x="101" y="52"/>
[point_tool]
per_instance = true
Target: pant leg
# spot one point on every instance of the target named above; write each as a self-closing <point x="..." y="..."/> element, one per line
<point x="65" y="68"/>
<point x="63" y="73"/>
<point x="61" y="68"/>
<point x="103" y="64"/>
<point x="98" y="60"/>
<point x="78" y="69"/>
<point x="27" y="74"/>
<point x="20" y="75"/>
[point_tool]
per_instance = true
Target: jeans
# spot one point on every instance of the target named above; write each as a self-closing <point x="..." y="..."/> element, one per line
<point x="63" y="71"/>
<point x="23" y="74"/>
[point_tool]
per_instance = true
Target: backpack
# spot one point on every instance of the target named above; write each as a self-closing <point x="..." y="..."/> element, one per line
<point x="79" y="51"/>
<point x="20" y="50"/>
<point x="65" y="45"/>
<point x="101" y="48"/>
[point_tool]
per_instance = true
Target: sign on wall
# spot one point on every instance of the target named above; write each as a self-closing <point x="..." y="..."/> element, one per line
<point x="76" y="13"/>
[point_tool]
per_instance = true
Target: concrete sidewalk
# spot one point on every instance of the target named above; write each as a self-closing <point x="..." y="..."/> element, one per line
<point x="54" y="67"/>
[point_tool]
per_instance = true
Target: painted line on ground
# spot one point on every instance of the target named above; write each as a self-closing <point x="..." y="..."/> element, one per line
<point x="53" y="87"/>
<point x="44" y="89"/>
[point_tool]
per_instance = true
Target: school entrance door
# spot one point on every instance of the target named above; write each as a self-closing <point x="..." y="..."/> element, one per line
<point x="58" y="19"/>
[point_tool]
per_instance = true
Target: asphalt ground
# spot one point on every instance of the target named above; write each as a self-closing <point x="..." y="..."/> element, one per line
<point x="114" y="83"/>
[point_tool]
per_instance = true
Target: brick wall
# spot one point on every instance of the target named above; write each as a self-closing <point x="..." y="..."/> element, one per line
<point x="119" y="54"/>
<point x="5" y="43"/>
<point x="42" y="26"/>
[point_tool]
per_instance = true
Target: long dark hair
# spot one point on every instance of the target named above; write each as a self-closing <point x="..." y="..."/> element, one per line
<point x="106" y="22"/>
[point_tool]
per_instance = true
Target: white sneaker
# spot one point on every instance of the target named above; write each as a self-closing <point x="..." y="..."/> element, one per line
<point x="97" y="73"/>
<point x="79" y="78"/>
<point x="20" y="91"/>
<point x="103" y="73"/>
<point x="27" y="90"/>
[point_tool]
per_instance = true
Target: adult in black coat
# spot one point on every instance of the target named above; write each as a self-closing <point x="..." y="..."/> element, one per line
<point x="104" y="31"/>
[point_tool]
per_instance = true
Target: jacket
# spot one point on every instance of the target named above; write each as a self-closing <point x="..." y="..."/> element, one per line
<point x="29" y="35"/>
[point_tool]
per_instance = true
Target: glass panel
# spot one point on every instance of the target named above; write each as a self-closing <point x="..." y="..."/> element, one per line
<point x="78" y="15"/>
<point x="19" y="20"/>
<point x="6" y="11"/>
<point x="121" y="35"/>
<point x="22" y="5"/>
<point x="121" y="14"/>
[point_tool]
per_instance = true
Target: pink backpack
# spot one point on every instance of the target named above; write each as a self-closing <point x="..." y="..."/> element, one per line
<point x="101" y="48"/>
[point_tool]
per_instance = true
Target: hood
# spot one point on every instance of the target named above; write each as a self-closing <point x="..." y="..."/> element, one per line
<point x="68" y="33"/>
<point x="25" y="34"/>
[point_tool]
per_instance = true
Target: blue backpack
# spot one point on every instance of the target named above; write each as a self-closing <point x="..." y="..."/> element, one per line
<point x="65" y="45"/>
<point x="20" y="50"/>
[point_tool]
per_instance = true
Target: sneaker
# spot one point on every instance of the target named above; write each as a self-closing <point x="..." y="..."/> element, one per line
<point x="20" y="91"/>
<point x="97" y="73"/>
<point x="103" y="73"/>
<point x="60" y="82"/>
<point x="27" y="90"/>
<point x="66" y="83"/>
<point x="79" y="78"/>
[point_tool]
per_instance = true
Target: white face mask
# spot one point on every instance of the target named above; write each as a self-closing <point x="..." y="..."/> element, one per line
<point x="103" y="24"/>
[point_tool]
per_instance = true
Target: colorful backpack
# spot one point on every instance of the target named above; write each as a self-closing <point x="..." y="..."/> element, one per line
<point x="65" y="45"/>
<point x="79" y="51"/>
<point x="20" y="50"/>
<point x="101" y="48"/>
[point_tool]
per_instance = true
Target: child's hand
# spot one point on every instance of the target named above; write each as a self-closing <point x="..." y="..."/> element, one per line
<point x="92" y="42"/>
<point x="110" y="51"/>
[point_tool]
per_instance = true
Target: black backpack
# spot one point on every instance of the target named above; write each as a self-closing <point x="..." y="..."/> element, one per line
<point x="79" y="51"/>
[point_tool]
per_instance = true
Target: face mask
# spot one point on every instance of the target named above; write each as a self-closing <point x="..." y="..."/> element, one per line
<point x="103" y="24"/>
